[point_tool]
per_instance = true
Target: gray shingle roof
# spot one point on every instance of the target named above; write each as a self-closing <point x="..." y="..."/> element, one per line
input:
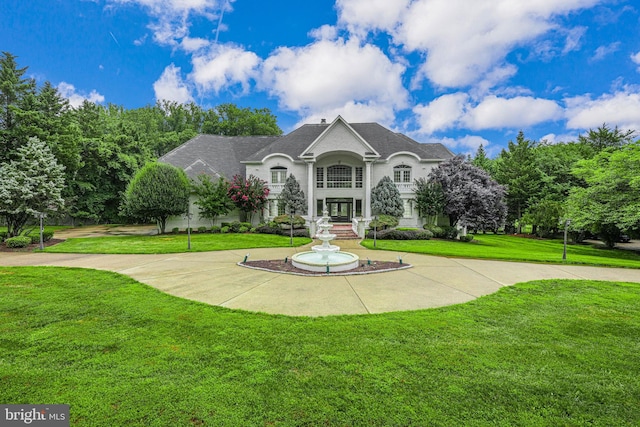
<point x="216" y="155"/>
<point x="223" y="155"/>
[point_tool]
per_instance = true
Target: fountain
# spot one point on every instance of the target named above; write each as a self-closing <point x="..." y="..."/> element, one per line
<point x="325" y="257"/>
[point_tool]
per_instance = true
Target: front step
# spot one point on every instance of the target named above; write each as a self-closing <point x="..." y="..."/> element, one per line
<point x="343" y="232"/>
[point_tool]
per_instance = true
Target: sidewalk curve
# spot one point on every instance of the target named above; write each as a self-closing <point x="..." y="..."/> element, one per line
<point x="215" y="278"/>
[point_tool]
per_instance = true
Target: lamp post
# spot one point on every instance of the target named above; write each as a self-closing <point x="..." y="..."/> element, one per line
<point x="567" y="222"/>
<point x="189" y="216"/>
<point x="375" y="230"/>
<point x="292" y="212"/>
<point x="42" y="216"/>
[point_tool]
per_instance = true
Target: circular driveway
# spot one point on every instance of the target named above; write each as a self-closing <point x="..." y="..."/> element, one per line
<point x="215" y="278"/>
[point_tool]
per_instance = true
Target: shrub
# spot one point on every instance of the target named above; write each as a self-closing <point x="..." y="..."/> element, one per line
<point x="298" y="221"/>
<point x="248" y="225"/>
<point x="18" y="242"/>
<point x="424" y="235"/>
<point x="3" y="235"/>
<point x="215" y="229"/>
<point x="467" y="238"/>
<point x="224" y="229"/>
<point x="450" y="232"/>
<point x="189" y="230"/>
<point x="297" y="232"/>
<point x="34" y="235"/>
<point x="252" y="230"/>
<point x="384" y="222"/>
<point x="202" y="229"/>
<point x="243" y="229"/>
<point x="175" y="230"/>
<point x="234" y="227"/>
<point x="393" y="234"/>
<point x="437" y="231"/>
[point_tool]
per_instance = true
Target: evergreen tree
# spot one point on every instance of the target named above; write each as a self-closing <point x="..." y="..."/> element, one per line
<point x="386" y="200"/>
<point x="429" y="199"/>
<point x="29" y="185"/>
<point x="482" y="161"/>
<point x="292" y="197"/>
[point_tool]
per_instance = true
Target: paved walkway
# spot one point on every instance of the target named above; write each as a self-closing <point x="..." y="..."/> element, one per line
<point x="215" y="278"/>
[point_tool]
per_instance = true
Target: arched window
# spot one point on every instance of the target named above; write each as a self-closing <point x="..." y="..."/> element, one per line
<point x="402" y="173"/>
<point x="339" y="176"/>
<point x="278" y="175"/>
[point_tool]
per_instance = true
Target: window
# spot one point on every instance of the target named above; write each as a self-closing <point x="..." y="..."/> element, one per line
<point x="402" y="173"/>
<point x="358" y="207"/>
<point x="319" y="207"/>
<point x="358" y="177"/>
<point x="320" y="177"/>
<point x="278" y="175"/>
<point x="339" y="176"/>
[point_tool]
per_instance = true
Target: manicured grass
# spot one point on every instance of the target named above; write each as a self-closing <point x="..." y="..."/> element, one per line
<point x="513" y="248"/>
<point x="544" y="353"/>
<point x="173" y="243"/>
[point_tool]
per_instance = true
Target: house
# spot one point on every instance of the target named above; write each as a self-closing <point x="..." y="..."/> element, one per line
<point x="337" y="164"/>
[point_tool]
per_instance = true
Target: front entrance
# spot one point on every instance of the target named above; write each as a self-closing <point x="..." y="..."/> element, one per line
<point x="340" y="210"/>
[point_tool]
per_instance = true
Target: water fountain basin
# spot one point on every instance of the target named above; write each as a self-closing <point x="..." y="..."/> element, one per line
<point x="317" y="260"/>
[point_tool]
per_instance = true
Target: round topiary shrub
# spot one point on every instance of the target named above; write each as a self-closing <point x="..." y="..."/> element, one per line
<point x="285" y="220"/>
<point x="467" y="238"/>
<point x="437" y="231"/>
<point x="175" y="230"/>
<point x="383" y="222"/>
<point x="450" y="233"/>
<point x="225" y="229"/>
<point x="243" y="229"/>
<point x="215" y="229"/>
<point x="424" y="235"/>
<point x="202" y="229"/>
<point x="18" y="242"/>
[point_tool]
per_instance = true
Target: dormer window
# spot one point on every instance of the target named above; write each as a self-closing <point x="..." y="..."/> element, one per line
<point x="402" y="173"/>
<point x="278" y="175"/>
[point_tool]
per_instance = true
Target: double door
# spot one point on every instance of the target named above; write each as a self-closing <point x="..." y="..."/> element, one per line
<point x="340" y="210"/>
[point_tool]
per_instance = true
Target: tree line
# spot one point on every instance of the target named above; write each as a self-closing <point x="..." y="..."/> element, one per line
<point x="98" y="148"/>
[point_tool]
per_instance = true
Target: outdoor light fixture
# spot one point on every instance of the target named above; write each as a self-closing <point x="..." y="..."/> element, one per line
<point x="245" y="258"/>
<point x="400" y="260"/>
<point x="567" y="223"/>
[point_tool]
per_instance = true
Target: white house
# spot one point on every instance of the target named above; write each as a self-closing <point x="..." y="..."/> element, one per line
<point x="337" y="164"/>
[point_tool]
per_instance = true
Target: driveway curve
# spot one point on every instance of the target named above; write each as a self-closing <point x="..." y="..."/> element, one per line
<point x="216" y="278"/>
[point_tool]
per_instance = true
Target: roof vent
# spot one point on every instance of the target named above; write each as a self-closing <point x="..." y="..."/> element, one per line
<point x="323" y="121"/>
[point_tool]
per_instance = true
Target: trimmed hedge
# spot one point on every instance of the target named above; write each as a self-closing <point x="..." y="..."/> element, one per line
<point x="19" y="242"/>
<point x="394" y="234"/>
<point x="269" y="229"/>
<point x="298" y="221"/>
<point x="384" y="222"/>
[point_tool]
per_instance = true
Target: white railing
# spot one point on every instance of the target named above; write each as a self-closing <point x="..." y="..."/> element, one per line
<point x="404" y="187"/>
<point x="276" y="188"/>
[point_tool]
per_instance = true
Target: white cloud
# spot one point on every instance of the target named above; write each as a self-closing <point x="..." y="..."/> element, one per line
<point x="326" y="32"/>
<point x="171" y="87"/>
<point x="464" y="41"/>
<point x="458" y="111"/>
<point x="222" y="67"/>
<point x="620" y="109"/>
<point x="636" y="59"/>
<point x="521" y="111"/>
<point x="603" y="51"/>
<point x="552" y="138"/>
<point x="75" y="98"/>
<point x="329" y="74"/>
<point x="171" y="17"/>
<point x="189" y="44"/>
<point x="467" y="144"/>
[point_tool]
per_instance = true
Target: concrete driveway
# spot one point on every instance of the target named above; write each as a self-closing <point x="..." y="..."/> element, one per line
<point x="215" y="278"/>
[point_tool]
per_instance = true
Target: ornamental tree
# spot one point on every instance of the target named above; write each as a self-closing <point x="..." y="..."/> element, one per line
<point x="249" y="195"/>
<point x="429" y="199"/>
<point x="213" y="198"/>
<point x="29" y="185"/>
<point x="385" y="199"/>
<point x="292" y="197"/>
<point x="471" y="197"/>
<point x="157" y="192"/>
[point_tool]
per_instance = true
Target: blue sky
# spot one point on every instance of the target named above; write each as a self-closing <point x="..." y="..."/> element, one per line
<point x="460" y="72"/>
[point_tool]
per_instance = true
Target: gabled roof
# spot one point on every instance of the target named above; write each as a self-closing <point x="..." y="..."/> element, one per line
<point x="216" y="155"/>
<point x="382" y="140"/>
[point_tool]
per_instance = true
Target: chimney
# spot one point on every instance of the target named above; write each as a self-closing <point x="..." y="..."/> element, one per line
<point x="323" y="121"/>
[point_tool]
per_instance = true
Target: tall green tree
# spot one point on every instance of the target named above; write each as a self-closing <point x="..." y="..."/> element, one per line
<point x="157" y="192"/>
<point x="518" y="171"/>
<point x="429" y="199"/>
<point x="604" y="137"/>
<point x="386" y="199"/>
<point x="481" y="160"/>
<point x="231" y="120"/>
<point x="30" y="184"/>
<point x="610" y="202"/>
<point x="292" y="197"/>
<point x="212" y="197"/>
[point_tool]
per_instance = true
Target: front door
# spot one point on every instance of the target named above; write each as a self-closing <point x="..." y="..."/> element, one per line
<point x="340" y="210"/>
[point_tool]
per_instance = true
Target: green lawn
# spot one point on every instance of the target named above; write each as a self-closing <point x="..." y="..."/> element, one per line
<point x="544" y="353"/>
<point x="513" y="248"/>
<point x="172" y="243"/>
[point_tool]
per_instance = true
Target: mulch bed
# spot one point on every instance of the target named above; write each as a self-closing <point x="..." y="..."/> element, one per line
<point x="30" y="248"/>
<point x="279" y="266"/>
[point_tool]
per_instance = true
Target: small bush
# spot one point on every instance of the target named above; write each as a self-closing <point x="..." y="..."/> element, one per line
<point x="246" y="224"/>
<point x="3" y="236"/>
<point x="215" y="229"/>
<point x="202" y="229"/>
<point x="394" y="234"/>
<point x="234" y="227"/>
<point x="175" y="230"/>
<point x="34" y="235"/>
<point x="18" y="242"/>
<point x="424" y="235"/>
<point x="384" y="222"/>
<point x="243" y="229"/>
<point x="298" y="221"/>
<point x="252" y="230"/>
<point x="450" y="233"/>
<point x="467" y="238"/>
<point x="437" y="231"/>
<point x="225" y="229"/>
<point x="189" y="230"/>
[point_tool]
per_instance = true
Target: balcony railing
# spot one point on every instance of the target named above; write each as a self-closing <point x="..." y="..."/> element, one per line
<point x="405" y="187"/>
<point x="276" y="188"/>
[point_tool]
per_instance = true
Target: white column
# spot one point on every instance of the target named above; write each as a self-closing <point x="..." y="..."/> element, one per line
<point x="368" y="176"/>
<point x="310" y="194"/>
